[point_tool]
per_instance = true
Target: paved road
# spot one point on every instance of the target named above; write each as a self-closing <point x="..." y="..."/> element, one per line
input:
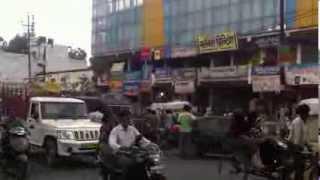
<point x="176" y="169"/>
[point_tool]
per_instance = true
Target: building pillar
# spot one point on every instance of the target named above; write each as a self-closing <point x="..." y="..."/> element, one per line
<point x="299" y="53"/>
<point x="210" y="88"/>
<point x="262" y="55"/>
<point x="232" y="59"/>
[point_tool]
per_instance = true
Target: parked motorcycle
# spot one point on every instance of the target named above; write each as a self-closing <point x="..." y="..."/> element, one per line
<point x="14" y="153"/>
<point x="147" y="164"/>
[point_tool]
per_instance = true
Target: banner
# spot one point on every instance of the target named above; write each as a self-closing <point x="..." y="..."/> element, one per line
<point x="184" y="74"/>
<point x="223" y="74"/>
<point x="184" y="87"/>
<point x="163" y="75"/>
<point x="132" y="83"/>
<point x="302" y="74"/>
<point x="266" y="79"/>
<point x="181" y="52"/>
<point x="184" y="80"/>
<point x="266" y="42"/>
<point x="226" y="41"/>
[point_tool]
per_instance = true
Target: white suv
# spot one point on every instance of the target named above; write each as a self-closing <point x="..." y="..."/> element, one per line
<point x="61" y="127"/>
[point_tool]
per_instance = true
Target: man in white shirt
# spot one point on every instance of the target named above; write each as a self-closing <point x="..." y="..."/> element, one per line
<point x="123" y="136"/>
<point x="298" y="136"/>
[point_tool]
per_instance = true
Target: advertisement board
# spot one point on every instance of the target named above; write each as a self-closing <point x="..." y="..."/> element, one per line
<point x="223" y="74"/>
<point x="266" y="79"/>
<point x="184" y="74"/>
<point x="184" y="80"/>
<point x="184" y="87"/>
<point x="132" y="83"/>
<point x="163" y="75"/>
<point x="226" y="41"/>
<point x="181" y="52"/>
<point x="302" y="74"/>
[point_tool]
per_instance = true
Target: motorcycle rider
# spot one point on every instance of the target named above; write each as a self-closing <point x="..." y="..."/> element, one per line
<point x="298" y="136"/>
<point x="122" y="137"/>
<point x="11" y="122"/>
<point x="245" y="136"/>
<point x="8" y="124"/>
<point x="152" y="125"/>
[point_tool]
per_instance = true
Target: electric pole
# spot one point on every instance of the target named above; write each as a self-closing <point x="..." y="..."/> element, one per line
<point x="30" y="32"/>
<point x="282" y="24"/>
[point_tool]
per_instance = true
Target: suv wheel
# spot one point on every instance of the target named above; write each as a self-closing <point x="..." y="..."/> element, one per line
<point x="51" y="152"/>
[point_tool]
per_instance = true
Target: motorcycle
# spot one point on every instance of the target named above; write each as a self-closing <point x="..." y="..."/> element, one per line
<point x="14" y="153"/>
<point x="278" y="157"/>
<point x="146" y="165"/>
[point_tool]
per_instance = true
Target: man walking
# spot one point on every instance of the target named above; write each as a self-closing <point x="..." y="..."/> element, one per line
<point x="298" y="136"/>
<point x="185" y="120"/>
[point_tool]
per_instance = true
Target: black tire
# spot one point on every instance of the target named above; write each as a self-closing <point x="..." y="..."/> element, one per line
<point x="313" y="174"/>
<point x="158" y="177"/>
<point x="22" y="173"/>
<point x="51" y="152"/>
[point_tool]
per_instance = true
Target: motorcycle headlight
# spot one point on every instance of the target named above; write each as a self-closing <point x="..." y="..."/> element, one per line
<point x="155" y="158"/>
<point x="283" y="145"/>
<point x="64" y="134"/>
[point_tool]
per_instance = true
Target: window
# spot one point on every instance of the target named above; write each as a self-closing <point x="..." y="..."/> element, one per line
<point x="208" y="18"/>
<point x="270" y="7"/>
<point x="257" y="8"/>
<point x="234" y="13"/>
<point x="139" y="2"/>
<point x="34" y="111"/>
<point x="126" y="4"/>
<point x="57" y="110"/>
<point x="246" y="11"/>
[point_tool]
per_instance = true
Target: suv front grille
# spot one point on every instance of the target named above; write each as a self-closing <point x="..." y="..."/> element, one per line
<point x="86" y="135"/>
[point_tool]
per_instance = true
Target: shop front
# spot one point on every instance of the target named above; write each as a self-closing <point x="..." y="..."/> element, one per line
<point x="184" y="83"/>
<point x="266" y="81"/>
<point x="303" y="79"/>
<point x="162" y="85"/>
<point x="223" y="89"/>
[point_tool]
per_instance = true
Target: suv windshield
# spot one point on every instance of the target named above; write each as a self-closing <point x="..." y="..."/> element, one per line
<point x="63" y="110"/>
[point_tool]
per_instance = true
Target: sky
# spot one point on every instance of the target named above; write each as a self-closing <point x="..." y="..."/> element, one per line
<point x="68" y="22"/>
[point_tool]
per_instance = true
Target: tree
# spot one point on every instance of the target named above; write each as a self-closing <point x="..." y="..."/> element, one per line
<point x="19" y="44"/>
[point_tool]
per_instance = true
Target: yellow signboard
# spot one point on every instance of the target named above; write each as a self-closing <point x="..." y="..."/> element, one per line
<point x="306" y="13"/>
<point x="153" y="23"/>
<point x="226" y="41"/>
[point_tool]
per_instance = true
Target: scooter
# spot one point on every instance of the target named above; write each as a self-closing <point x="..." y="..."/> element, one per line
<point x="14" y="153"/>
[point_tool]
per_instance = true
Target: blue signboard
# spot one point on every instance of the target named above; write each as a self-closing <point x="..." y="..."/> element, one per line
<point x="132" y="83"/>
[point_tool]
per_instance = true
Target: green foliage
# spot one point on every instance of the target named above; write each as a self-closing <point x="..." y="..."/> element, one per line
<point x="18" y="44"/>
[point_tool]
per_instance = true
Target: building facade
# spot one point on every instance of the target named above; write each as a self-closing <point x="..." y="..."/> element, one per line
<point x="228" y="43"/>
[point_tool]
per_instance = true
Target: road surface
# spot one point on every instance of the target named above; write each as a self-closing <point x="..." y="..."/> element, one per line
<point x="176" y="169"/>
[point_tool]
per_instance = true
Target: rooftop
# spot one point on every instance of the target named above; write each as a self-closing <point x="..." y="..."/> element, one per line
<point x="56" y="99"/>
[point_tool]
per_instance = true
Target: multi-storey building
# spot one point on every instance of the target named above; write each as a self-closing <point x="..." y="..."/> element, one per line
<point x="173" y="33"/>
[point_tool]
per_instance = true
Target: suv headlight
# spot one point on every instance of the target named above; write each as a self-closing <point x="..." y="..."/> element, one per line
<point x="65" y="134"/>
